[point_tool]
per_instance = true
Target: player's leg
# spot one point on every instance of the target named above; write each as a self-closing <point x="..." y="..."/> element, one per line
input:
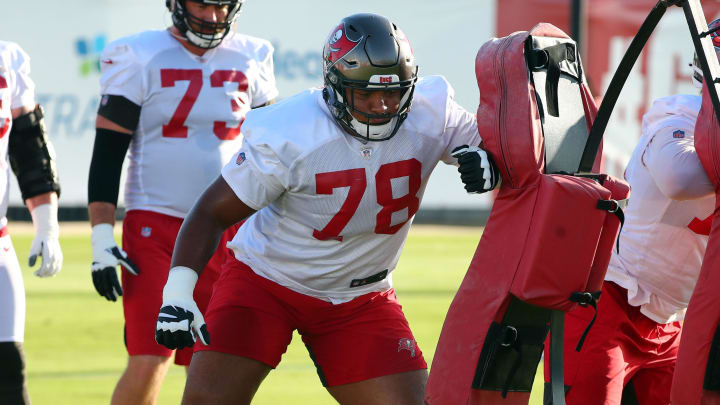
<point x="249" y="330"/>
<point x="148" y="238"/>
<point x="13" y="389"/>
<point x="141" y="381"/>
<point x="398" y="389"/>
<point x="220" y="378"/>
<point x="652" y="382"/>
<point x="600" y="369"/>
<point x="364" y="350"/>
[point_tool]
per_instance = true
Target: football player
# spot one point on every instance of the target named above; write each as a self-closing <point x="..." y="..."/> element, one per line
<point x="176" y="98"/>
<point x="24" y="145"/>
<point x="635" y="338"/>
<point x="334" y="177"/>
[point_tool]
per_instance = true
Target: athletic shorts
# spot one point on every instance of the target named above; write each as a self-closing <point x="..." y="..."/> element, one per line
<point x="148" y="239"/>
<point x="12" y="292"/>
<point x="623" y="346"/>
<point x="253" y="317"/>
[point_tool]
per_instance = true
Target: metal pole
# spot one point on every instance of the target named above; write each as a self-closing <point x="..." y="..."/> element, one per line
<point x="576" y="22"/>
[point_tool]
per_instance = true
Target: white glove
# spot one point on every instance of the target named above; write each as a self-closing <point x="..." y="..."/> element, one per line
<point x="180" y="322"/>
<point x="45" y="243"/>
<point x="106" y="256"/>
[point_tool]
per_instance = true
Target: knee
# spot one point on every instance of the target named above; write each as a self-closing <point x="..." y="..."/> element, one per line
<point x="12" y="374"/>
<point x="147" y="368"/>
<point x="198" y="395"/>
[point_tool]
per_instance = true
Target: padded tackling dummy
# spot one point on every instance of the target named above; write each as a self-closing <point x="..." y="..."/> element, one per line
<point x="697" y="372"/>
<point x="548" y="240"/>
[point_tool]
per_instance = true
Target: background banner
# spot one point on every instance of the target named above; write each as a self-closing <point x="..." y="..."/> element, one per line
<point x="64" y="40"/>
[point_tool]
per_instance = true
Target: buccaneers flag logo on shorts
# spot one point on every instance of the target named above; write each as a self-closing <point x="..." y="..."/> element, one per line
<point x="339" y="44"/>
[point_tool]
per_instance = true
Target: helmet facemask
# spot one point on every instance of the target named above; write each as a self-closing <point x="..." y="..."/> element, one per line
<point x="207" y="34"/>
<point x="372" y="54"/>
<point x="343" y="96"/>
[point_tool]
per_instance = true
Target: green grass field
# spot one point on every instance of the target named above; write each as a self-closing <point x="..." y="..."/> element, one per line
<point x="74" y="341"/>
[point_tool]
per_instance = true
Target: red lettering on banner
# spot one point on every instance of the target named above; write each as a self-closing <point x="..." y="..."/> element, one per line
<point x="387" y="79"/>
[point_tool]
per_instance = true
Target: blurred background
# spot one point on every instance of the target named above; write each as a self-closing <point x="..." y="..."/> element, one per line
<point x="64" y="40"/>
<point x="74" y="338"/>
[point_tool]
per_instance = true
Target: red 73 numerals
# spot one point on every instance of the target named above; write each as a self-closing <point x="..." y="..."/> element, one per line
<point x="325" y="183"/>
<point x="176" y="127"/>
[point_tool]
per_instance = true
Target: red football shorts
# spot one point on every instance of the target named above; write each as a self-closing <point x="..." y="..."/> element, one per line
<point x="149" y="238"/>
<point x="623" y="346"/>
<point x="253" y="317"/>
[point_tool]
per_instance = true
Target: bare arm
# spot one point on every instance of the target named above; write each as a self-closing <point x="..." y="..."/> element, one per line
<point x="217" y="209"/>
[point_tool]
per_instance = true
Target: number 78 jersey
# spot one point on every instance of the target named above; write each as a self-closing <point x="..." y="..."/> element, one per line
<point x="192" y="109"/>
<point x="333" y="212"/>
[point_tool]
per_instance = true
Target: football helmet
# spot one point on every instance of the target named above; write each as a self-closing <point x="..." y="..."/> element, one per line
<point x="209" y="34"/>
<point x="367" y="52"/>
<point x="697" y="74"/>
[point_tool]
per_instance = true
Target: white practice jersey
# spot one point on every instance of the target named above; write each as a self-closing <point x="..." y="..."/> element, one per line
<point x="667" y="221"/>
<point x="334" y="212"/>
<point x="192" y="110"/>
<point x="16" y="90"/>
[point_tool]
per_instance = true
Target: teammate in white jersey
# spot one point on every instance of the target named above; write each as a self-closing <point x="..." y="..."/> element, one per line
<point x="650" y="280"/>
<point x="25" y="148"/>
<point x="177" y="99"/>
<point x="334" y="177"/>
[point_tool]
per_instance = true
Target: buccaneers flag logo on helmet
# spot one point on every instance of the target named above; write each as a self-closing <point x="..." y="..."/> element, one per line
<point x="339" y="44"/>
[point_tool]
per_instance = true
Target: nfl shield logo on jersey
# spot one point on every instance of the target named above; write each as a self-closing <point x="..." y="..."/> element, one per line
<point x="678" y="134"/>
<point x="240" y="159"/>
<point x="366" y="153"/>
<point x="407" y="344"/>
<point x="146" y="231"/>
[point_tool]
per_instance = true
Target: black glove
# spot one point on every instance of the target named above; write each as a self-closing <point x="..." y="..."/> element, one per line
<point x="176" y="328"/>
<point x="477" y="170"/>
<point x="106" y="256"/>
<point x="180" y="323"/>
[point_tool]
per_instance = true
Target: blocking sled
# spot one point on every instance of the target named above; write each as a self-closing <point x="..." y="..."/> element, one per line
<point x="554" y="222"/>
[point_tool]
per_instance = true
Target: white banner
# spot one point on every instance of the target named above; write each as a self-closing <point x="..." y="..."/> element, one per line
<point x="64" y="40"/>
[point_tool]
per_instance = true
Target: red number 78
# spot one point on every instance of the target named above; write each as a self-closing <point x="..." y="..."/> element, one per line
<point x="325" y="183"/>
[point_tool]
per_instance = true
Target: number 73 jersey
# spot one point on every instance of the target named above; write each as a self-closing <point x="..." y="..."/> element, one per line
<point x="192" y="110"/>
<point x="333" y="212"/>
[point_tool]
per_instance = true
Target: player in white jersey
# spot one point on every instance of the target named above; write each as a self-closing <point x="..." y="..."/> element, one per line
<point x="334" y="177"/>
<point x="177" y="99"/>
<point x="635" y="339"/>
<point x="25" y="148"/>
